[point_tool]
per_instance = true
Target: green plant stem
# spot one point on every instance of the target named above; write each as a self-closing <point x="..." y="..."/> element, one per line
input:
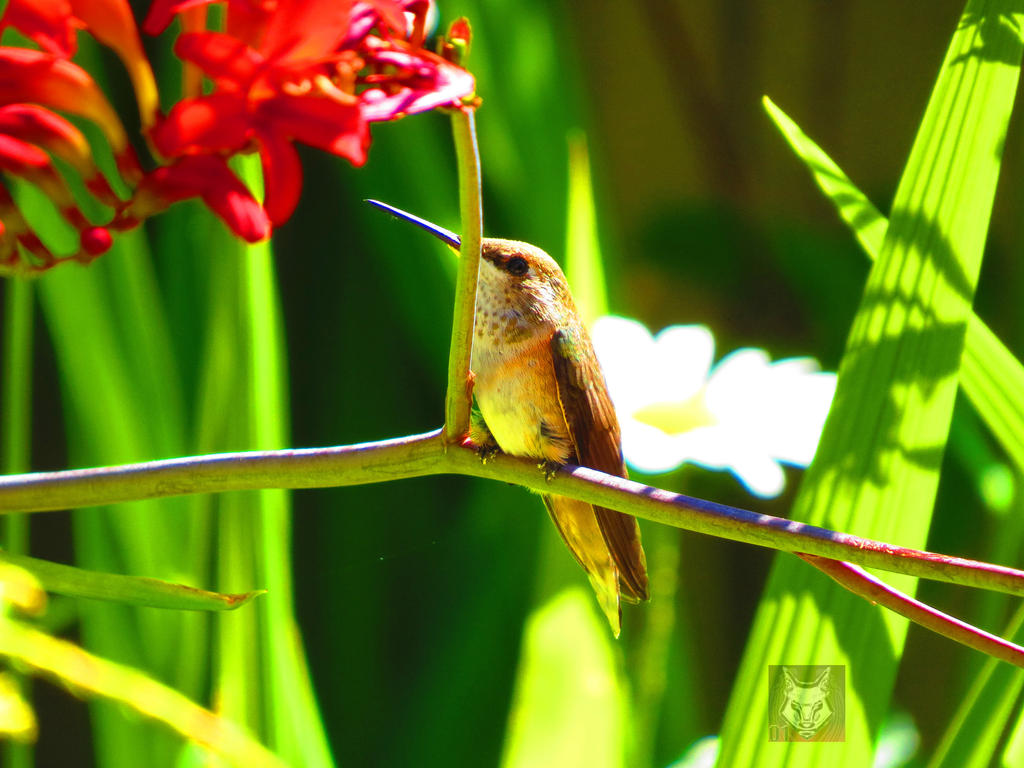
<point x="862" y="583"/>
<point x="426" y="454"/>
<point x="457" y="400"/>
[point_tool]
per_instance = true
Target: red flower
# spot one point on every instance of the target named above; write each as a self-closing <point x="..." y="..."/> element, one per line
<point x="61" y="139"/>
<point x="28" y="132"/>
<point x="285" y="71"/>
<point x="258" y="102"/>
<point x="307" y="71"/>
<point x="52" y="25"/>
<point x="35" y="77"/>
<point x="47" y="23"/>
<point x="404" y="80"/>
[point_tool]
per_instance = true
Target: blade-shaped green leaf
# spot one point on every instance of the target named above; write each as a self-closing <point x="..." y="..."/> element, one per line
<point x="877" y="467"/>
<point x="130" y="590"/>
<point x="583" y="266"/>
<point x="1013" y="754"/>
<point x="992" y="377"/>
<point x="130" y="688"/>
<point x="258" y="525"/>
<point x="994" y="381"/>
<point x="569" y="706"/>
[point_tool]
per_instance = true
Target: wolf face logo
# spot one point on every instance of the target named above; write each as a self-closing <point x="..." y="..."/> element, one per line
<point x="805" y="705"/>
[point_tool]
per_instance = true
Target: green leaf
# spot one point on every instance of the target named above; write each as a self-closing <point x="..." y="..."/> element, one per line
<point x="569" y="709"/>
<point x="130" y="590"/>
<point x="258" y="525"/>
<point x="993" y="379"/>
<point x="867" y="223"/>
<point x="877" y="467"/>
<point x="126" y="686"/>
<point x="991" y="376"/>
<point x="583" y="266"/>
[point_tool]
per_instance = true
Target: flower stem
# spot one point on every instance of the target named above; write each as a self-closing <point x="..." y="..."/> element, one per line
<point x="457" y="401"/>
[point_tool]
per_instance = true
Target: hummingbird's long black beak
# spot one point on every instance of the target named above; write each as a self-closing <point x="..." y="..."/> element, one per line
<point x="439" y="232"/>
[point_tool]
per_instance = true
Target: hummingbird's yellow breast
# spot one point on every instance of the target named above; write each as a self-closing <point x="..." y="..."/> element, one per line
<point x="517" y="393"/>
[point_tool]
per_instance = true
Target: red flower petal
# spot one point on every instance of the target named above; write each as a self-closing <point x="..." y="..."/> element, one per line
<point x="60" y="138"/>
<point x="214" y="123"/>
<point x="306" y="30"/>
<point x="248" y="20"/>
<point x="50" y="131"/>
<point x="282" y="177"/>
<point x="162" y="12"/>
<point x="220" y="56"/>
<point x="48" y="23"/>
<point x="208" y="177"/>
<point x="320" y="122"/>
<point x="32" y="164"/>
<point x="39" y="78"/>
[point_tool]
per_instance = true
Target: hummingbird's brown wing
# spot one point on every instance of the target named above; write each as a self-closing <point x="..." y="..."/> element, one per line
<point x="594" y="430"/>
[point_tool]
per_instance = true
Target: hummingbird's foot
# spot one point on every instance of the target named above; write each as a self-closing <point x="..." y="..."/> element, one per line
<point x="550" y="469"/>
<point x="486" y="446"/>
<point x="487" y="451"/>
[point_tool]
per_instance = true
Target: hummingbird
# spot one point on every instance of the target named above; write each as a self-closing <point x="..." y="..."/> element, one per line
<point x="542" y="395"/>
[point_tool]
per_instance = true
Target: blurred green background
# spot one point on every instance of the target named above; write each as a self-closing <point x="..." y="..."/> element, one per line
<point x="411" y="596"/>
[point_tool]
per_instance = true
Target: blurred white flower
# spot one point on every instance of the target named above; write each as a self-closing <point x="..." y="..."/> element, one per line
<point x="746" y="415"/>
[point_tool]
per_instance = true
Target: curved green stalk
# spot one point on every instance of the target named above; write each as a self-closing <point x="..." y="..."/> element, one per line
<point x="459" y="394"/>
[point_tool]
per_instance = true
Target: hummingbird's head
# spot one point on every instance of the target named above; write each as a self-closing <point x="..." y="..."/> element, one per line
<point x="519" y="288"/>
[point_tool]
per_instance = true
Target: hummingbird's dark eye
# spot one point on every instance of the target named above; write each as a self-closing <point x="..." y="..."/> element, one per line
<point x="517" y="266"/>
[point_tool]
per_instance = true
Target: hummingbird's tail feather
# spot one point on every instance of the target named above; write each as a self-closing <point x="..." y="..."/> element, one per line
<point x="577" y="523"/>
<point x="622" y="535"/>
